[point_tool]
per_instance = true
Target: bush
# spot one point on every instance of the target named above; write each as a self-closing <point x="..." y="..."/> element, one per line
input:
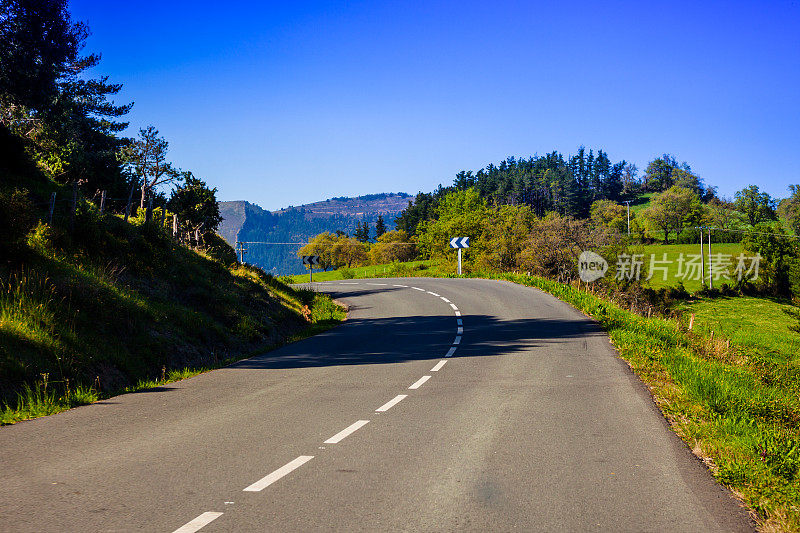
<point x="347" y="273"/>
<point x="16" y="218"/>
<point x="219" y="250"/>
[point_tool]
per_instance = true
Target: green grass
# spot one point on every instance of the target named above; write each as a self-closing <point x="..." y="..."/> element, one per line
<point x="106" y="309"/>
<point x="655" y="252"/>
<point x="372" y="271"/>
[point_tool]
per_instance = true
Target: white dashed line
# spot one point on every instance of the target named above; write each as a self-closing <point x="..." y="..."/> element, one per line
<point x="460" y="330"/>
<point x="438" y="366"/>
<point x="198" y="523"/>
<point x="391" y="403"/>
<point x="433" y="293"/>
<point x="421" y="381"/>
<point x="457" y="340"/>
<point x="418" y="289"/>
<point x="352" y="428"/>
<point x="377" y="284"/>
<point x="454" y="307"/>
<point x="451" y="351"/>
<point x="349" y="283"/>
<point x="404" y="286"/>
<point x="269" y="479"/>
<point x="444" y="299"/>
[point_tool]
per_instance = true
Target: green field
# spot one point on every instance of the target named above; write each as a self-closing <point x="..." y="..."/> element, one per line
<point x="372" y="271"/>
<point x="654" y="253"/>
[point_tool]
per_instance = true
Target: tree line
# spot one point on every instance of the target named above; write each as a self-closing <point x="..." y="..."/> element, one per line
<point x="59" y="123"/>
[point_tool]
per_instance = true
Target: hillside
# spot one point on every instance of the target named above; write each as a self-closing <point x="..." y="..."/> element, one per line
<point x="95" y="309"/>
<point x="297" y="224"/>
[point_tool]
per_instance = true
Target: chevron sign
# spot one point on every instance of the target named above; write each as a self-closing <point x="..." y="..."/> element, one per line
<point x="310" y="259"/>
<point x="459" y="242"/>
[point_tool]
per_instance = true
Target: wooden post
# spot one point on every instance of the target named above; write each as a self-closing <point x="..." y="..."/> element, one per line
<point x="174" y="226"/>
<point x="52" y="208"/>
<point x="691" y="322"/>
<point x="102" y="201"/>
<point x="128" y="206"/>
<point x="73" y="207"/>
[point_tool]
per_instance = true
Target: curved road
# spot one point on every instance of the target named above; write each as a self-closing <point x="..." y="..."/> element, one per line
<point x="531" y="423"/>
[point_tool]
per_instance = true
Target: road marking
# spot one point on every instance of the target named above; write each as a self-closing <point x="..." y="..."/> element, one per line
<point x="438" y="366"/>
<point x="418" y="289"/>
<point x="377" y="284"/>
<point x="457" y="339"/>
<point x="433" y="293"/>
<point x="391" y="403"/>
<point x="454" y="307"/>
<point x="421" y="381"/>
<point x="451" y="351"/>
<point x="459" y="322"/>
<point x="349" y="283"/>
<point x="352" y="428"/>
<point x="460" y="330"/>
<point x="458" y="313"/>
<point x="444" y="299"/>
<point x="404" y="286"/>
<point x="269" y="479"/>
<point x="198" y="523"/>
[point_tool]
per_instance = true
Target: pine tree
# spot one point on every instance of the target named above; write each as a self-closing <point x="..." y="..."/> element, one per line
<point x="380" y="227"/>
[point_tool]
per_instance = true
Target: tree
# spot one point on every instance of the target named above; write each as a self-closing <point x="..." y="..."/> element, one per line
<point x="362" y="231"/>
<point x="322" y="246"/>
<point x="611" y="215"/>
<point x="658" y="175"/>
<point x="392" y="246"/>
<point x="347" y="251"/>
<point x="458" y="214"/>
<point x="672" y="210"/>
<point x="757" y="206"/>
<point x="380" y="227"/>
<point x="195" y="204"/>
<point x="789" y="209"/>
<point x="508" y="229"/>
<point x="778" y="252"/>
<point x="147" y="158"/>
<point x="47" y="98"/>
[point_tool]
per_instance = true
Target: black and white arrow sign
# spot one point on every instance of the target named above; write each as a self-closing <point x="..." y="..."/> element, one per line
<point x="310" y="259"/>
<point x="459" y="242"/>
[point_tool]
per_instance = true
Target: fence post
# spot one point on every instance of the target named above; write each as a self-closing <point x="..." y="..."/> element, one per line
<point x="52" y="208"/>
<point x="73" y="207"/>
<point x="128" y="206"/>
<point x="102" y="201"/>
<point x="174" y="226"/>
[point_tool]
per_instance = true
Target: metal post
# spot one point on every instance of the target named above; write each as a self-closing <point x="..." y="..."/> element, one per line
<point x="311" y="273"/>
<point x="702" y="261"/>
<point x="128" y="205"/>
<point x="459" y="261"/>
<point x="710" y="265"/>
<point x="628" y="204"/>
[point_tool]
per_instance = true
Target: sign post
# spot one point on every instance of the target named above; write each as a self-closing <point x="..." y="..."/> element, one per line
<point x="459" y="243"/>
<point x="311" y="260"/>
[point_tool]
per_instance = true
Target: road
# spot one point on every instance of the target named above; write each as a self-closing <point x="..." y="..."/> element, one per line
<point x="439" y="405"/>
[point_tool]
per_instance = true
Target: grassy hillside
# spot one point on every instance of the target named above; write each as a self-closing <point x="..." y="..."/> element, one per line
<point x="110" y="305"/>
<point x="409" y="268"/>
<point x="674" y="251"/>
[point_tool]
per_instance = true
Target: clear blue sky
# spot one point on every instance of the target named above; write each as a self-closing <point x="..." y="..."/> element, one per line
<point x="291" y="102"/>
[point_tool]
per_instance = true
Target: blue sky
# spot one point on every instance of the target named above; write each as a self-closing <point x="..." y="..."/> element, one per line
<point x="291" y="102"/>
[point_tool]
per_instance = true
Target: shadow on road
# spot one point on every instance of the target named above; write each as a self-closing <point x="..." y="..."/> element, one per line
<point x="398" y="339"/>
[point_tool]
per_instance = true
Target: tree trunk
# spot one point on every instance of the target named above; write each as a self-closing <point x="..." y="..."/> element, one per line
<point x="144" y="193"/>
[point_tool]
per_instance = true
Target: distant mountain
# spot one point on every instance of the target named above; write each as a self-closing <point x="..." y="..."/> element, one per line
<point x="247" y="222"/>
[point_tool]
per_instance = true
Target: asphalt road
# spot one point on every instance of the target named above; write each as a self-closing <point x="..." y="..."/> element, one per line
<point x="531" y="423"/>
